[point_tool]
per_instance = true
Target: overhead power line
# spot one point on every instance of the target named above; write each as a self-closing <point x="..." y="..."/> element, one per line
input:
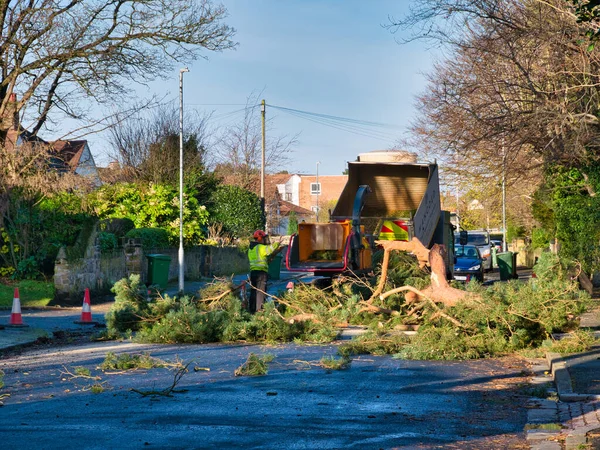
<point x="360" y="127"/>
<point x="341" y="119"/>
<point x="375" y="130"/>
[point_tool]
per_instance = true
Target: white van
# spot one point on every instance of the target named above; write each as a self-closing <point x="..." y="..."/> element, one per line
<point x="480" y="239"/>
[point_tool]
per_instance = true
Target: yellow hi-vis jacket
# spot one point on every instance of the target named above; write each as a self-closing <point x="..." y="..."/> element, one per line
<point x="258" y="255"/>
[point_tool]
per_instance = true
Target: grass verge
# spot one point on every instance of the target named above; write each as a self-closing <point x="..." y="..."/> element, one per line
<point x="31" y="293"/>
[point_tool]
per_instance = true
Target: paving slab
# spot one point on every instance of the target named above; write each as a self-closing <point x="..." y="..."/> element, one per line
<point x="577" y="381"/>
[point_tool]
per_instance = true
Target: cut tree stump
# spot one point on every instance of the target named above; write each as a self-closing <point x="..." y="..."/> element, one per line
<point x="439" y="291"/>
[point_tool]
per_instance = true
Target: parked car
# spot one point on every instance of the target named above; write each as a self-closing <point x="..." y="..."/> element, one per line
<point x="497" y="244"/>
<point x="468" y="263"/>
<point x="480" y="239"/>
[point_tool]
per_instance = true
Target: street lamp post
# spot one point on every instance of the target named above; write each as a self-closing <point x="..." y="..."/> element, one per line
<point x="180" y="259"/>
<point x="318" y="191"/>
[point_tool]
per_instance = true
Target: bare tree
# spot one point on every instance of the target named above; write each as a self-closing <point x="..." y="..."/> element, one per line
<point x="147" y="145"/>
<point x="56" y="53"/>
<point x="518" y="89"/>
<point x="239" y="149"/>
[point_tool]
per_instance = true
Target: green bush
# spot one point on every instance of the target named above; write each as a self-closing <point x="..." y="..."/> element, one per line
<point x="150" y="237"/>
<point x="515" y="231"/>
<point x="540" y="238"/>
<point x="150" y="205"/>
<point x="576" y="229"/>
<point x="237" y="209"/>
<point x="292" y="227"/>
<point x="27" y="269"/>
<point x="566" y="207"/>
<point x="37" y="226"/>
<point x="107" y="242"/>
<point x="117" y="226"/>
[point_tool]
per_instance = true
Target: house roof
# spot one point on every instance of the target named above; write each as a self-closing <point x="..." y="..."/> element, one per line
<point x="12" y="137"/>
<point x="66" y="154"/>
<point x="287" y="207"/>
<point x="69" y="152"/>
<point x="271" y="182"/>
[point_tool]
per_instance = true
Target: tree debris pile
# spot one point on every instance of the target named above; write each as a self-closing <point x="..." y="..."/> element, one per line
<point x="214" y="315"/>
<point x="486" y="321"/>
<point x="255" y="365"/>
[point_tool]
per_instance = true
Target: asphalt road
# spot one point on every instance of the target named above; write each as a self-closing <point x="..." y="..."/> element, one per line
<point x="379" y="402"/>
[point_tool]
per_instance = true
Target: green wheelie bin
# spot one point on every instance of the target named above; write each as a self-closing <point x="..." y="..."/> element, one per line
<point x="158" y="270"/>
<point x="507" y="264"/>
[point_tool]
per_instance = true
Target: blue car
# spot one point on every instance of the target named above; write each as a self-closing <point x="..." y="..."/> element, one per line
<point x="468" y="263"/>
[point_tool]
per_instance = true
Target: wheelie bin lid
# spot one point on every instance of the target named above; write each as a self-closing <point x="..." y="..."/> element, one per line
<point x="159" y="256"/>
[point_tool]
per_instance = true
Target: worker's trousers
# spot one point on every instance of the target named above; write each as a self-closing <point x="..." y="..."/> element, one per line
<point x="258" y="280"/>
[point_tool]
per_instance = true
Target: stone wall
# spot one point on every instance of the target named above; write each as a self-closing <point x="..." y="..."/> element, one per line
<point x="99" y="272"/>
<point x="202" y="261"/>
<point x="71" y="278"/>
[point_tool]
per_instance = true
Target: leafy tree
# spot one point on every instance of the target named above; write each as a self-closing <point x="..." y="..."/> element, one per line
<point x="150" y="237"/>
<point x="152" y="206"/>
<point x="292" y="226"/>
<point x="588" y="12"/>
<point x="237" y="209"/>
<point x="567" y="212"/>
<point x="34" y="230"/>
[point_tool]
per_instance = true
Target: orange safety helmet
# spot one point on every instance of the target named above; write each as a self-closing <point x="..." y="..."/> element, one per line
<point x="259" y="235"/>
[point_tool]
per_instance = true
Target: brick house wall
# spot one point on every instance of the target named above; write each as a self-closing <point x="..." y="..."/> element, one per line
<point x="331" y="188"/>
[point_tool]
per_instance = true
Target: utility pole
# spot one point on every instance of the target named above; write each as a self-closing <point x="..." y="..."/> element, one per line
<point x="504" y="243"/>
<point x="263" y="110"/>
<point x="180" y="259"/>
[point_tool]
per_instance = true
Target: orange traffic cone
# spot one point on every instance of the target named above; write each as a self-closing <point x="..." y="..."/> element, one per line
<point x="15" y="315"/>
<point x="86" y="310"/>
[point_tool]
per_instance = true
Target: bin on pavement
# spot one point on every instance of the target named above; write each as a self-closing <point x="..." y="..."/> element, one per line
<point x="275" y="267"/>
<point x="507" y="264"/>
<point x="158" y="270"/>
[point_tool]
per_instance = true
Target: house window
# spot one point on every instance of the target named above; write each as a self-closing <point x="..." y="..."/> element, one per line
<point x="288" y="196"/>
<point x="315" y="188"/>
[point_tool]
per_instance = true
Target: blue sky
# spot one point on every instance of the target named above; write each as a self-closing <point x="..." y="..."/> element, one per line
<point x="323" y="56"/>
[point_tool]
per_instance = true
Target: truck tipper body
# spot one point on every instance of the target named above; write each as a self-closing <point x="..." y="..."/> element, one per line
<point x="382" y="200"/>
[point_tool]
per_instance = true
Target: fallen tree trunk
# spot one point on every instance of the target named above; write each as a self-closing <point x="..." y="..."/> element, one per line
<point x="439" y="291"/>
<point x="415" y="247"/>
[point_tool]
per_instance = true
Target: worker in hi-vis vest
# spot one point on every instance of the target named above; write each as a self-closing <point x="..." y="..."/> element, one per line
<point x="258" y="256"/>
